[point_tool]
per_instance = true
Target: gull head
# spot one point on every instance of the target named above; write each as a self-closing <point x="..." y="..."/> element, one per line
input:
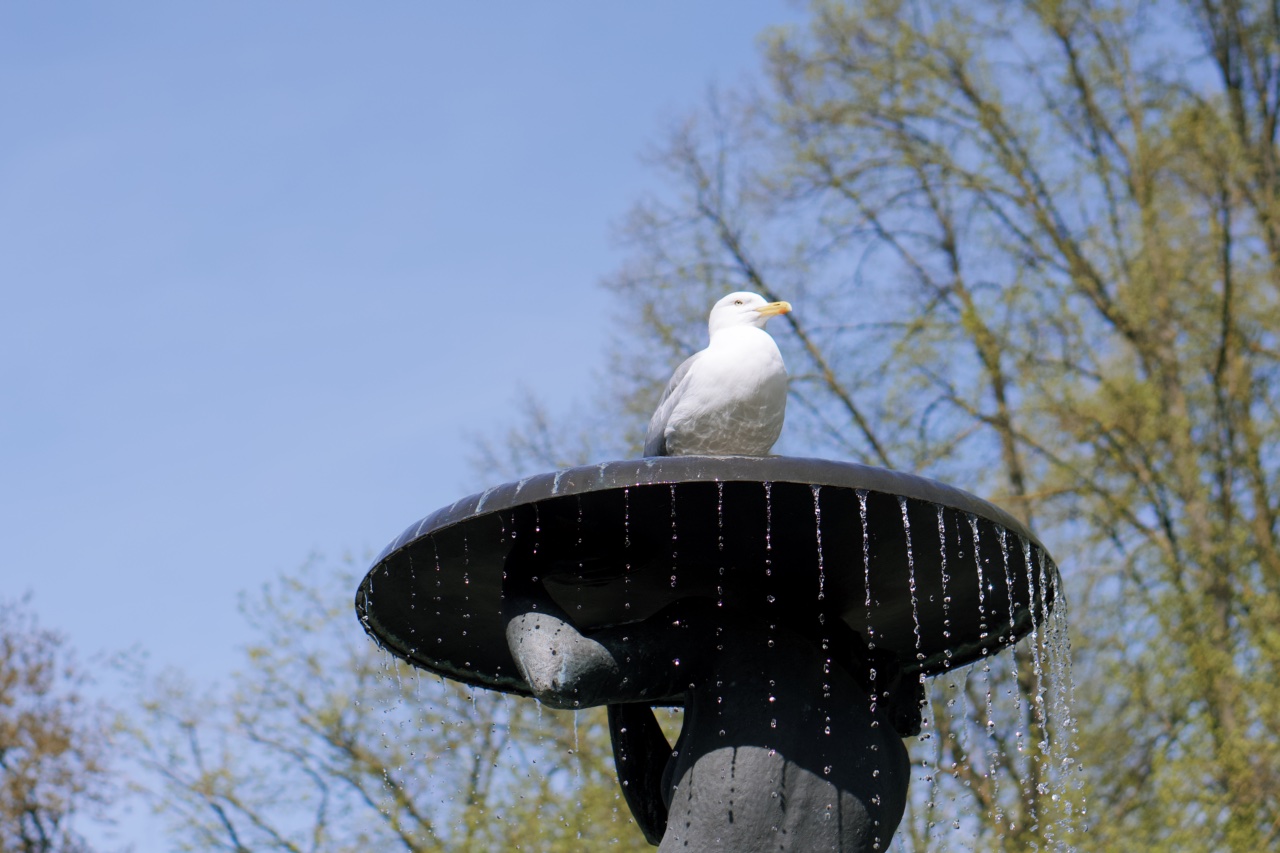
<point x="744" y="309"/>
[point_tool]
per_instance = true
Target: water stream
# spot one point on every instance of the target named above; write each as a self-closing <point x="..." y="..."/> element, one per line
<point x="995" y="759"/>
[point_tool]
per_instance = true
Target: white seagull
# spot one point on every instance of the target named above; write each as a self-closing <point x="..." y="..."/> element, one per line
<point x="729" y="399"/>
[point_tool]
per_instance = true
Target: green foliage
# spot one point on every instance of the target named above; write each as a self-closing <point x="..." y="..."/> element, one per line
<point x="325" y="743"/>
<point x="54" y="741"/>
<point x="1034" y="249"/>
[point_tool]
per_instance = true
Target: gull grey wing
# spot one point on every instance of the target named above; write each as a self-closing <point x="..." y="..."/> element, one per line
<point x="655" y="439"/>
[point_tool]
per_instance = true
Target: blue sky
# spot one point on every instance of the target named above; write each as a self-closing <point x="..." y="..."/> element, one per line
<point x="265" y="265"/>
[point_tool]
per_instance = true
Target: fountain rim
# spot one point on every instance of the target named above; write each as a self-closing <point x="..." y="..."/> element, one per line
<point x="674" y="470"/>
<point x="656" y="472"/>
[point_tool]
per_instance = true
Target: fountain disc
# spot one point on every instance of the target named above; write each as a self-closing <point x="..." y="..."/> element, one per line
<point x="940" y="577"/>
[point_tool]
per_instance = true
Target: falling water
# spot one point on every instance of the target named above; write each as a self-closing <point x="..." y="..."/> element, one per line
<point x="413" y="603"/>
<point x="911" y="577"/>
<point x="626" y="549"/>
<point x="1042" y="745"/>
<point x="768" y="570"/>
<point x="720" y="542"/>
<point x="768" y="528"/>
<point x="992" y="752"/>
<point x="437" y="598"/>
<point x="817" y="525"/>
<point x="1032" y="791"/>
<point x="982" y="586"/>
<point x="926" y="724"/>
<point x="466" y="583"/>
<point x="1008" y="581"/>
<point x="1064" y="760"/>
<point x="537" y="528"/>
<point x="822" y="616"/>
<point x="946" y="598"/>
<point x="675" y="536"/>
<point x="866" y="579"/>
<point x="967" y="717"/>
<point x="719" y="596"/>
<point x="866" y="565"/>
<point x="951" y="682"/>
<point x="1037" y="665"/>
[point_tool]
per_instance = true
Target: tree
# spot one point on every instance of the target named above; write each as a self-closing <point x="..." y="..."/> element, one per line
<point x="53" y="740"/>
<point x="1033" y="251"/>
<point x="326" y="743"/>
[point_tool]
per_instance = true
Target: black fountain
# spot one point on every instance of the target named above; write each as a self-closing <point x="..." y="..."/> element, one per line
<point x="793" y="607"/>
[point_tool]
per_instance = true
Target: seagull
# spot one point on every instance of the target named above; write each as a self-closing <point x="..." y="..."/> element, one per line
<point x="728" y="399"/>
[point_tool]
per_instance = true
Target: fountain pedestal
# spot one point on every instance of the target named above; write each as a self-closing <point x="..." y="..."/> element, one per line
<point x="779" y="728"/>
<point x="792" y="607"/>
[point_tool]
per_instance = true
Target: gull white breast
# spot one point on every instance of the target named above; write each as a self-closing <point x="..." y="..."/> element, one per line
<point x="730" y="398"/>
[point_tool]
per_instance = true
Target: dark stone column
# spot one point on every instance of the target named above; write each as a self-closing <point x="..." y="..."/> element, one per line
<point x="782" y="746"/>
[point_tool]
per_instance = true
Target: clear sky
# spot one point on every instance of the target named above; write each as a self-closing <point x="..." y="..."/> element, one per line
<point x="266" y="266"/>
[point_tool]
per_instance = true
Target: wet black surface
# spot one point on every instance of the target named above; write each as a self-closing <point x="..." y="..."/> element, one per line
<point x="782" y="537"/>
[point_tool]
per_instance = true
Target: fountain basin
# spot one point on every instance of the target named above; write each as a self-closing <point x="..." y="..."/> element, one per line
<point x="933" y="573"/>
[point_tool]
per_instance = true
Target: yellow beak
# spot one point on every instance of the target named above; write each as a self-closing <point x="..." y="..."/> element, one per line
<point x="773" y="309"/>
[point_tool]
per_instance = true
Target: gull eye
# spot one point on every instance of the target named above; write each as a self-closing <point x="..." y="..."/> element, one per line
<point x="737" y="302"/>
